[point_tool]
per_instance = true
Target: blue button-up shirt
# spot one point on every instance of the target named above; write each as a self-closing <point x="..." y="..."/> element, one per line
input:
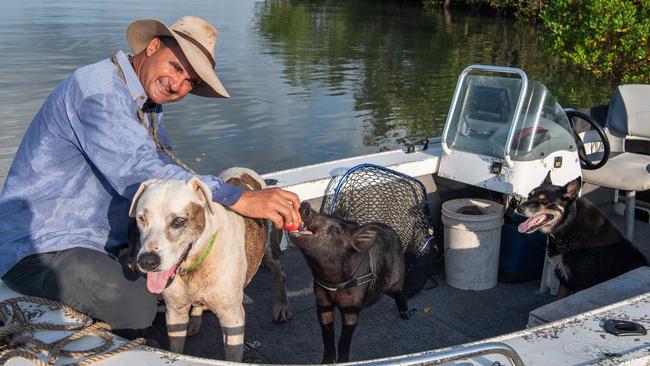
<point x="80" y="163"/>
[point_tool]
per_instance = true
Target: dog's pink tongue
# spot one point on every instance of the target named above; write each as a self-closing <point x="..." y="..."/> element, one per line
<point x="526" y="225"/>
<point x="157" y="281"/>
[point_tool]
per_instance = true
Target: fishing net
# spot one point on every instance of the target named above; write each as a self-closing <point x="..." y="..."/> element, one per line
<point x="371" y="193"/>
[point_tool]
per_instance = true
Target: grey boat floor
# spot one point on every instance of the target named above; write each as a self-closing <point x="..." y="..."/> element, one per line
<point x="440" y="316"/>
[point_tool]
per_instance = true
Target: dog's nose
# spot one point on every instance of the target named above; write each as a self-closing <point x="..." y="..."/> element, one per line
<point x="149" y="261"/>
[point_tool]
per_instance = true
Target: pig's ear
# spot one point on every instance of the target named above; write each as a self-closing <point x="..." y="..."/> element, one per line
<point x="339" y="213"/>
<point x="365" y="238"/>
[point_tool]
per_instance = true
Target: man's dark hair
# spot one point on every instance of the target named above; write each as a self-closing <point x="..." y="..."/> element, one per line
<point x="167" y="41"/>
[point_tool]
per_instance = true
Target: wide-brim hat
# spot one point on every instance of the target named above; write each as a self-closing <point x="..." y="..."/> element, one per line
<point x="197" y="39"/>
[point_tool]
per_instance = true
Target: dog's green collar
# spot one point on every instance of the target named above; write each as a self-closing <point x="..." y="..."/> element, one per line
<point x="201" y="258"/>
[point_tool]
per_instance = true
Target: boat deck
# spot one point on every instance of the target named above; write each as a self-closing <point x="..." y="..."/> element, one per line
<point x="440" y="315"/>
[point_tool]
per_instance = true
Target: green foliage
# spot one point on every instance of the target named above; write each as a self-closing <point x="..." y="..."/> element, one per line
<point x="609" y="38"/>
<point x="518" y="8"/>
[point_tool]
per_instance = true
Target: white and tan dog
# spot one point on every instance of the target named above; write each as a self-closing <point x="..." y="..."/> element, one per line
<point x="200" y="254"/>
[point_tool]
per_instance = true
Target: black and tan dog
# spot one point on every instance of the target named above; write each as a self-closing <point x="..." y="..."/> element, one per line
<point x="353" y="266"/>
<point x="585" y="247"/>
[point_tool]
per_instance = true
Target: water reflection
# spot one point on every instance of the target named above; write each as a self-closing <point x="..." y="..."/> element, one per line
<point x="405" y="61"/>
<point x="310" y="80"/>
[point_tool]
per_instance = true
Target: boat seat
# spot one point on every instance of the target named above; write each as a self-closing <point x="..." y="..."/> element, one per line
<point x="626" y="171"/>
<point x="628" y="118"/>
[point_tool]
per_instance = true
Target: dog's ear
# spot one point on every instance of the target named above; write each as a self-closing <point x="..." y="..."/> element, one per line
<point x="547" y="180"/>
<point x="571" y="189"/>
<point x="365" y="238"/>
<point x="202" y="192"/>
<point x="138" y="193"/>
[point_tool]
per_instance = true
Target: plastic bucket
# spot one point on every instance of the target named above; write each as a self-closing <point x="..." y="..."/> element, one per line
<point x="472" y="241"/>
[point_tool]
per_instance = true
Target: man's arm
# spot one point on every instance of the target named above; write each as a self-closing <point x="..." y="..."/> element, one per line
<point x="270" y="204"/>
<point x="121" y="150"/>
<point x="225" y="197"/>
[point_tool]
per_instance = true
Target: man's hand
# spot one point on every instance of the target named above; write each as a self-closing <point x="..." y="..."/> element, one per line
<point x="275" y="204"/>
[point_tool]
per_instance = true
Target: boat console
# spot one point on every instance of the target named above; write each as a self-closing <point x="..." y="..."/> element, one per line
<point x="505" y="133"/>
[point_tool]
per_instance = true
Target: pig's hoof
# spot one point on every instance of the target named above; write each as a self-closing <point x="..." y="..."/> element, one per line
<point x="282" y="313"/>
<point x="194" y="326"/>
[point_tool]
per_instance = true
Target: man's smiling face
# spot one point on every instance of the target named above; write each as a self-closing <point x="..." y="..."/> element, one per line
<point x="165" y="74"/>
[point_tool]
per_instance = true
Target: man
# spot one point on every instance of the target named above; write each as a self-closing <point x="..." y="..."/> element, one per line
<point x="100" y="133"/>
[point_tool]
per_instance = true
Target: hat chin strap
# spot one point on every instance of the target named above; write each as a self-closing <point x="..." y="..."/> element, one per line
<point x="136" y="62"/>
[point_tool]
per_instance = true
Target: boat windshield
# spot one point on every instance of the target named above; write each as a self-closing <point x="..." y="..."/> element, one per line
<point x="482" y="119"/>
<point x="542" y="128"/>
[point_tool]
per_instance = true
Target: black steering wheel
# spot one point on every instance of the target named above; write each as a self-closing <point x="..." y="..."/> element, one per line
<point x="585" y="163"/>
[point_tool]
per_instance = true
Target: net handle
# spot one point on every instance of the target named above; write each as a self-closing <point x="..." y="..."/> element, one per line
<point x="421" y="253"/>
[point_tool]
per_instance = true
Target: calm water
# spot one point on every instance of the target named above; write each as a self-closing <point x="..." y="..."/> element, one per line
<point x="310" y="80"/>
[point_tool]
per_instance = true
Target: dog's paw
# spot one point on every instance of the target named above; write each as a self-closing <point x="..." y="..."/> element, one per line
<point x="194" y="326"/>
<point x="282" y="313"/>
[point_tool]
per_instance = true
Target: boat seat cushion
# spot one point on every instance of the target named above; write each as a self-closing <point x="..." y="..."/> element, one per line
<point x="626" y="171"/>
<point x="629" y="111"/>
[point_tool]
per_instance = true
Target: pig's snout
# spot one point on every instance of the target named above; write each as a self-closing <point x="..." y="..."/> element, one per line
<point x="306" y="212"/>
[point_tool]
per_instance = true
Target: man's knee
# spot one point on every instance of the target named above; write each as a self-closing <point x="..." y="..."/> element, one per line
<point x="136" y="310"/>
<point x="85" y="273"/>
<point x="95" y="284"/>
